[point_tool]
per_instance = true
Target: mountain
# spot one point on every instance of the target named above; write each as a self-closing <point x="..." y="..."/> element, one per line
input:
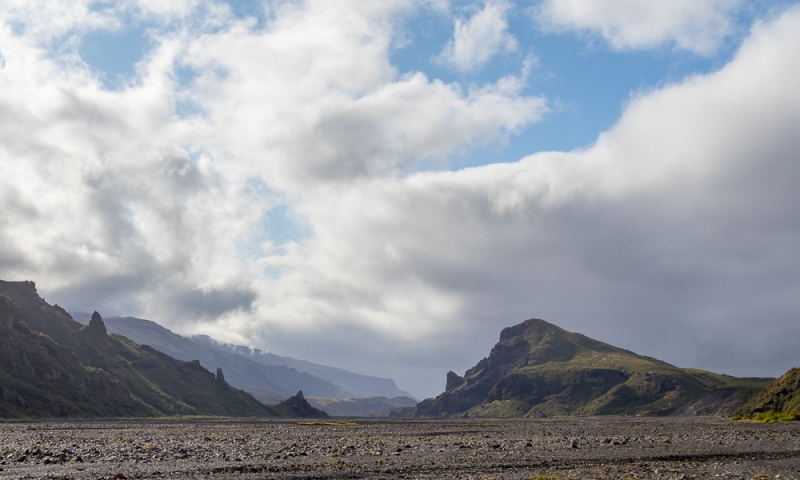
<point x="359" y="385"/>
<point x="270" y="378"/>
<point x="360" y="407"/>
<point x="268" y="383"/>
<point x="52" y="366"/>
<point x="781" y="397"/>
<point x="540" y="370"/>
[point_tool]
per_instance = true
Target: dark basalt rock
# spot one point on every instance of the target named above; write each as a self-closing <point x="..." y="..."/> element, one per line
<point x="298" y="407"/>
<point x="453" y="381"/>
<point x="96" y="324"/>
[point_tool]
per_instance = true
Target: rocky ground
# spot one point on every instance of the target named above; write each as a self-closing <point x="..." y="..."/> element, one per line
<point x="617" y="447"/>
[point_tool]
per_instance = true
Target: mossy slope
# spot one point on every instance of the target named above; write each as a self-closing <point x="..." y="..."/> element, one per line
<point x="781" y="397"/>
<point x="51" y="366"/>
<point x="538" y="369"/>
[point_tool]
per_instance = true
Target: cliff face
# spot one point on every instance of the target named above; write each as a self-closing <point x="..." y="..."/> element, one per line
<point x="538" y="369"/>
<point x="51" y="366"/>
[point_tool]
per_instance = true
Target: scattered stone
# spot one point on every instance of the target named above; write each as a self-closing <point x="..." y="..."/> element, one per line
<point x="388" y="449"/>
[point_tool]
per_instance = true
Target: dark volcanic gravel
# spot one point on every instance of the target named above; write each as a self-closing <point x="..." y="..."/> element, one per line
<point x="608" y="448"/>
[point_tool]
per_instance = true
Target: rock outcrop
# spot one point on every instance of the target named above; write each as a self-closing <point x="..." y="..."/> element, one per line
<point x="453" y="381"/>
<point x="96" y="325"/>
<point x="298" y="407"/>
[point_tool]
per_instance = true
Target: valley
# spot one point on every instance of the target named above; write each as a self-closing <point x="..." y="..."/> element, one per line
<point x="591" y="447"/>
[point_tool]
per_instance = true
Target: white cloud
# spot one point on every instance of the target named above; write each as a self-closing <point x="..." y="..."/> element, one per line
<point x="678" y="224"/>
<point x="171" y="9"/>
<point x="45" y="20"/>
<point x="476" y="40"/>
<point x="322" y="102"/>
<point x="695" y="25"/>
<point x="112" y="200"/>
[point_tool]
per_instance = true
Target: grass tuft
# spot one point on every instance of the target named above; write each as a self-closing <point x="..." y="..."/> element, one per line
<point x="772" y="417"/>
<point x="329" y="422"/>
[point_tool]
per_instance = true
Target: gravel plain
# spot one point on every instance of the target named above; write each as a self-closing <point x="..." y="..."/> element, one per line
<point x="602" y="448"/>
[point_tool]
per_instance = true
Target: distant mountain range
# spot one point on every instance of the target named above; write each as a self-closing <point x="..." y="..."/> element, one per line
<point x="540" y="370"/>
<point x="268" y="377"/>
<point x="361" y="407"/>
<point x="355" y="384"/>
<point x="52" y="366"/>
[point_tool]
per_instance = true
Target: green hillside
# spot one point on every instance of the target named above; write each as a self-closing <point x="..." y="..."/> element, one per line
<point x="780" y="400"/>
<point x="540" y="370"/>
<point x="51" y="366"/>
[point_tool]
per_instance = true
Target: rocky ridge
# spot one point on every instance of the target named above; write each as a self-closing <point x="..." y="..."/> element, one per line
<point x="268" y="377"/>
<point x="540" y="370"/>
<point x="52" y="366"/>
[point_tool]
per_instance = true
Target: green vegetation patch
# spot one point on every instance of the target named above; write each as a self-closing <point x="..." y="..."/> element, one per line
<point x="780" y="400"/>
<point x="500" y="409"/>
<point x="329" y="423"/>
<point x="772" y="417"/>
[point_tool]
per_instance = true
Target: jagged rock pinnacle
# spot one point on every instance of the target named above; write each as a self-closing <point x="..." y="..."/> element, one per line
<point x="96" y="324"/>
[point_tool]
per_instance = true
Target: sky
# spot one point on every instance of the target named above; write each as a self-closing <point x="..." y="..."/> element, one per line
<point x="384" y="186"/>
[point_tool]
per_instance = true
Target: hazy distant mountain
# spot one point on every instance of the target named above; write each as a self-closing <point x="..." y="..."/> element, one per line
<point x="270" y="378"/>
<point x="538" y="369"/>
<point x="270" y="384"/>
<point x="360" y="385"/>
<point x="52" y="366"/>
<point x="360" y="407"/>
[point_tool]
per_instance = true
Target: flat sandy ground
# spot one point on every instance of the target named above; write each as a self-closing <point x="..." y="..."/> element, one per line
<point x="610" y="447"/>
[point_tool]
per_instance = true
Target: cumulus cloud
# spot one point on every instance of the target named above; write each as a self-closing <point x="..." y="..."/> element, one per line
<point x="672" y="233"/>
<point x="477" y="39"/>
<point x="118" y="200"/>
<point x="678" y="223"/>
<point x="45" y="20"/>
<point x="695" y="25"/>
<point x="322" y="102"/>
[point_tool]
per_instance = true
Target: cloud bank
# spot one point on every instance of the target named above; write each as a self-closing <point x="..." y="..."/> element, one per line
<point x="673" y="235"/>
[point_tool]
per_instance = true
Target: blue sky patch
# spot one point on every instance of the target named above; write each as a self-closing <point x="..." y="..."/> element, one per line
<point x="114" y="55"/>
